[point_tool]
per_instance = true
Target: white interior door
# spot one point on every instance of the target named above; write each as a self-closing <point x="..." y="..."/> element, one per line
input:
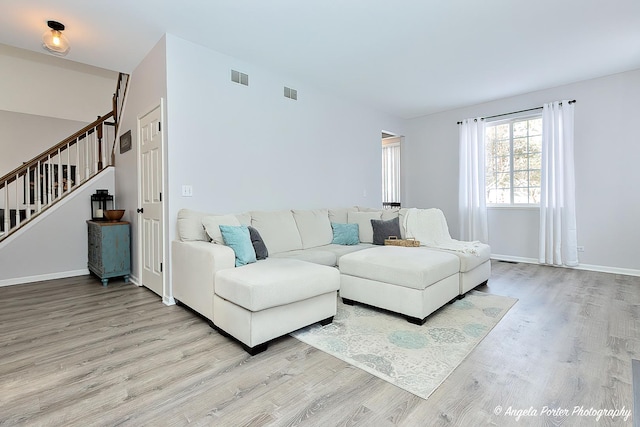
<point x="151" y="211"/>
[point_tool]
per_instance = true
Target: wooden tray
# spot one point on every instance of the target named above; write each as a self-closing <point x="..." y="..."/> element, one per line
<point x="394" y="241"/>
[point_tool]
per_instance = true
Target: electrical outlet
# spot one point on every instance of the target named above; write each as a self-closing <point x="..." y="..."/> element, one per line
<point x="580" y="248"/>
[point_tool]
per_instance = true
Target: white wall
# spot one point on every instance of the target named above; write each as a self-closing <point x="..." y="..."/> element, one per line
<point x="55" y="244"/>
<point x="45" y="85"/>
<point x="607" y="150"/>
<point x="245" y="148"/>
<point x="24" y="136"/>
<point x="147" y="85"/>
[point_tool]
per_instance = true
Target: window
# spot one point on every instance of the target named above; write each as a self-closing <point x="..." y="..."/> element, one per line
<point x="391" y="170"/>
<point x="512" y="161"/>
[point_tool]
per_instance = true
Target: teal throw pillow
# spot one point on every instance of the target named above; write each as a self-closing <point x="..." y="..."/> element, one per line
<point x="237" y="238"/>
<point x="345" y="234"/>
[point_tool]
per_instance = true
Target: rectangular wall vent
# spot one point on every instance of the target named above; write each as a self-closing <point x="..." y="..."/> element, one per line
<point x="290" y="93"/>
<point x="238" y="77"/>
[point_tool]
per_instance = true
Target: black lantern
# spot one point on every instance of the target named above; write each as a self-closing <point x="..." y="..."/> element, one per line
<point x="99" y="204"/>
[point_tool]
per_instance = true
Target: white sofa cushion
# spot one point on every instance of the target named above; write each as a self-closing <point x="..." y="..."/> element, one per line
<point x="391" y="213"/>
<point x="409" y="267"/>
<point x="244" y="218"/>
<point x="363" y="219"/>
<point x="315" y="255"/>
<point x="278" y="230"/>
<point x="340" y="250"/>
<point x="190" y="226"/>
<point x="339" y="215"/>
<point x="212" y="225"/>
<point x="274" y="282"/>
<point x="314" y="227"/>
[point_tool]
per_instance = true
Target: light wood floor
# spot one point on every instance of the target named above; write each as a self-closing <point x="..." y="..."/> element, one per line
<point x="73" y="353"/>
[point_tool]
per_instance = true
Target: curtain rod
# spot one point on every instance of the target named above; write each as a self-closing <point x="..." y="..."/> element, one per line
<point x="515" y="112"/>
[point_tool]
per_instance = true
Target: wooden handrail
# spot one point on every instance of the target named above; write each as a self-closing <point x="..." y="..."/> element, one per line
<point x="21" y="170"/>
<point x="118" y="102"/>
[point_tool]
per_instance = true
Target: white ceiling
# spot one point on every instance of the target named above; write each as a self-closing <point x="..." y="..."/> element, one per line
<point x="404" y="57"/>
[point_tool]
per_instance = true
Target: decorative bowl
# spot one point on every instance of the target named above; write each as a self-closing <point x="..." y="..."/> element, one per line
<point x="113" y="215"/>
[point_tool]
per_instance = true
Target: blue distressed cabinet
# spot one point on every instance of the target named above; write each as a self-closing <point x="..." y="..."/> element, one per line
<point x="109" y="250"/>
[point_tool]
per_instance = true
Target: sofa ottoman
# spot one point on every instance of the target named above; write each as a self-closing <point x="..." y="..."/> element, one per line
<point x="410" y="281"/>
<point x="475" y="268"/>
<point x="258" y="302"/>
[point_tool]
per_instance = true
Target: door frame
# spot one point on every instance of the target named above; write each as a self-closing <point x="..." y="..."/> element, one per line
<point x="167" y="298"/>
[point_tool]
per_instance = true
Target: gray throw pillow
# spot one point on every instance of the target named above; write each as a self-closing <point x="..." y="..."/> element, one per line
<point x="258" y="244"/>
<point x="383" y="229"/>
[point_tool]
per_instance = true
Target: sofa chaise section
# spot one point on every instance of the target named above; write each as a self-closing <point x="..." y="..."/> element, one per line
<point x="268" y="299"/>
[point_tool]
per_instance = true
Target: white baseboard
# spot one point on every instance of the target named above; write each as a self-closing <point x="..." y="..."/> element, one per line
<point x="589" y="267"/>
<point x="134" y="280"/>
<point x="43" y="277"/>
<point x="510" y="258"/>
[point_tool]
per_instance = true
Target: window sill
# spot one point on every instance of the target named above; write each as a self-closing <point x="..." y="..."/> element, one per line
<point x="514" y="207"/>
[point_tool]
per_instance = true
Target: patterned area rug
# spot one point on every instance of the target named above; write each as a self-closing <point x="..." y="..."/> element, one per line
<point x="415" y="358"/>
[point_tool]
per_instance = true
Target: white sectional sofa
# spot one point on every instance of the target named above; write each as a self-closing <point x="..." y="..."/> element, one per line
<point x="296" y="284"/>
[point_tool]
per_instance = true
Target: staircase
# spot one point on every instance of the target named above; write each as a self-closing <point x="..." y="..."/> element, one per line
<point x="42" y="182"/>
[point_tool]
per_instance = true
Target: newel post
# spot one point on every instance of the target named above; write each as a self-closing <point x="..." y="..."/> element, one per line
<point x="99" y="130"/>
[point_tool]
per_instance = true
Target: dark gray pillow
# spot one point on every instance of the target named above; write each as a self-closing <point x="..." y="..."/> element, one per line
<point x="383" y="229"/>
<point x="258" y="244"/>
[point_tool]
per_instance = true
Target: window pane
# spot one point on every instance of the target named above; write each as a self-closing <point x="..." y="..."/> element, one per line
<point x="534" y="161"/>
<point x="534" y="195"/>
<point x="520" y="163"/>
<point x="535" y="127"/>
<point x="520" y="195"/>
<point x="534" y="179"/>
<point x="502" y="131"/>
<point x="492" y="196"/>
<point x="490" y="166"/>
<point x="490" y="179"/>
<point x="502" y="148"/>
<point x="503" y="180"/>
<point x="503" y="195"/>
<point x="489" y="149"/>
<point x="535" y="144"/>
<point x="490" y="133"/>
<point x="503" y="164"/>
<point x="519" y="146"/>
<point x="520" y="129"/>
<point x="521" y="179"/>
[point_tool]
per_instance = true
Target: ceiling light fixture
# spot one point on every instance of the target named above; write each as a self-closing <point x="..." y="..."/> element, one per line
<point x="54" y="41"/>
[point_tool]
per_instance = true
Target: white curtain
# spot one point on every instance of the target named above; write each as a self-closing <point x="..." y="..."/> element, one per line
<point x="558" y="235"/>
<point x="391" y="170"/>
<point x="472" y="198"/>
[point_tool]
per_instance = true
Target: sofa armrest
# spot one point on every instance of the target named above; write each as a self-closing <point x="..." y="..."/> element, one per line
<point x="194" y="265"/>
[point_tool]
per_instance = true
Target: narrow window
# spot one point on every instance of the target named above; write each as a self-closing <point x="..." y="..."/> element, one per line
<point x="391" y="171"/>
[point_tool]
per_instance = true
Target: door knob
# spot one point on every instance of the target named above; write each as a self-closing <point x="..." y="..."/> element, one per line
<point x="140" y="210"/>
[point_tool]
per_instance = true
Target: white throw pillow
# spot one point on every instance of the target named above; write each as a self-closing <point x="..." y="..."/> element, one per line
<point x="190" y="225"/>
<point x="212" y="226"/>
<point x="363" y="219"/>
